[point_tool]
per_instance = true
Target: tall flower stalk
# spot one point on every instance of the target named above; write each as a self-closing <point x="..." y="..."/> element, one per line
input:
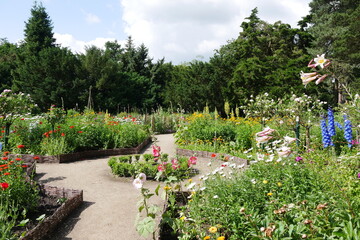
<point x="347" y="131"/>
<point x="326" y="138"/>
<point x="331" y="123"/>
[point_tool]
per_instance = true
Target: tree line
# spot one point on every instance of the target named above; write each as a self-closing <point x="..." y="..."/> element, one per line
<point x="263" y="58"/>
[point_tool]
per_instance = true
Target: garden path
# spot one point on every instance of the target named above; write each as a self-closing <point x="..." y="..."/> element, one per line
<point x="109" y="209"/>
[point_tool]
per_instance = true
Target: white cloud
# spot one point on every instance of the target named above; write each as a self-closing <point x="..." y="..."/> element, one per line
<point x="67" y="40"/>
<point x="181" y="29"/>
<point x="90" y="17"/>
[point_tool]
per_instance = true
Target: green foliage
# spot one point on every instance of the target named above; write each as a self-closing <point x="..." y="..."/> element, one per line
<point x="38" y="30"/>
<point x="205" y="133"/>
<point x="123" y="167"/>
<point x="280" y="201"/>
<point x="76" y="133"/>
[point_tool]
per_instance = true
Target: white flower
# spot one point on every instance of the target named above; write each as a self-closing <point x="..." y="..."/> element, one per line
<point x="191" y="185"/>
<point x="216" y="196"/>
<point x="284" y="151"/>
<point x="202" y="189"/>
<point x="241" y="166"/>
<point x="289" y="139"/>
<point x="320" y="60"/>
<point x="253" y="181"/>
<point x="142" y="177"/>
<point x="308" y="77"/>
<point x="138" y="183"/>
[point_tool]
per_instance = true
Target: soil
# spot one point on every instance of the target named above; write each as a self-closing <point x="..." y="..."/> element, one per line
<point x="47" y="205"/>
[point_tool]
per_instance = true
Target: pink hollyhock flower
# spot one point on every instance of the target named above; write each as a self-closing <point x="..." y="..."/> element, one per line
<point x="156" y="151"/>
<point x="175" y="164"/>
<point x="192" y="161"/>
<point x="161" y="167"/>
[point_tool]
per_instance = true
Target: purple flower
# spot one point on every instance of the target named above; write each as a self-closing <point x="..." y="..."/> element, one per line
<point x="347" y="131"/>
<point x="331" y="123"/>
<point x="359" y="175"/>
<point x="326" y="138"/>
<point x="298" y="158"/>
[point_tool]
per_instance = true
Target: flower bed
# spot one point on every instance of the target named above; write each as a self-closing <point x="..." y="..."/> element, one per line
<point x="131" y="166"/>
<point x="70" y="157"/>
<point x="205" y="154"/>
<point x="74" y="198"/>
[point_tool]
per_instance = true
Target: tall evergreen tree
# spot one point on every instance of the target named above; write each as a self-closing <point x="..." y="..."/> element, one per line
<point x="38" y="30"/>
<point x="48" y="73"/>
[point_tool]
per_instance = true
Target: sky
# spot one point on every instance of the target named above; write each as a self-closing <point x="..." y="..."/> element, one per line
<point x="178" y="30"/>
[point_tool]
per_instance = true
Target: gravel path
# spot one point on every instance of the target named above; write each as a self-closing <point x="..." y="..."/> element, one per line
<point x="109" y="209"/>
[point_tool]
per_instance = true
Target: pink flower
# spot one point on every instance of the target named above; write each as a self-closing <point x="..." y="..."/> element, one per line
<point x="308" y="77"/>
<point x="161" y="167"/>
<point x="156" y="151"/>
<point x="321" y="79"/>
<point x="192" y="161"/>
<point x="267" y="131"/>
<point x="175" y="164"/>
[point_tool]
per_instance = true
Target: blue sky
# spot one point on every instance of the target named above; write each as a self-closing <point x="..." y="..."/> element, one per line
<point x="179" y="30"/>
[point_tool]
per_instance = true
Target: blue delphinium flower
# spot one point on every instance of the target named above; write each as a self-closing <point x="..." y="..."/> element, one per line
<point x="326" y="138"/>
<point x="331" y="122"/>
<point x="347" y="131"/>
<point x="339" y="125"/>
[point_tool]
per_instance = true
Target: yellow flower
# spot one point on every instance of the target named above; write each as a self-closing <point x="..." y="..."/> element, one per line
<point x="221" y="238"/>
<point x="279" y="184"/>
<point x="265" y="181"/>
<point x="270" y="194"/>
<point x="206" y="237"/>
<point x="167" y="188"/>
<point x="213" y="229"/>
<point x="183" y="218"/>
<point x="190" y="180"/>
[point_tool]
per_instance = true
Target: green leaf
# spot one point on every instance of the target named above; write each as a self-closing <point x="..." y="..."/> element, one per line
<point x="146" y="226"/>
<point x="157" y="190"/>
<point x="42" y="217"/>
<point x="23" y="222"/>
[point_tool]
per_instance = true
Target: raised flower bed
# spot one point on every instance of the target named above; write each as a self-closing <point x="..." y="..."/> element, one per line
<point x="72" y="200"/>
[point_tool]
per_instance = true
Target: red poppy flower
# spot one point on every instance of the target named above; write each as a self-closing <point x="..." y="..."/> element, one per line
<point x="6" y="153"/>
<point x="58" y="126"/>
<point x="24" y="166"/>
<point x="4" y="158"/>
<point x="71" y="126"/>
<point x="40" y="122"/>
<point x="80" y="131"/>
<point x="4" y="185"/>
<point x="62" y="134"/>
<point x="36" y="158"/>
<point x="21" y="146"/>
<point x="2" y="131"/>
<point x="18" y="159"/>
<point x="11" y="162"/>
<point x="213" y="155"/>
<point x="6" y="174"/>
